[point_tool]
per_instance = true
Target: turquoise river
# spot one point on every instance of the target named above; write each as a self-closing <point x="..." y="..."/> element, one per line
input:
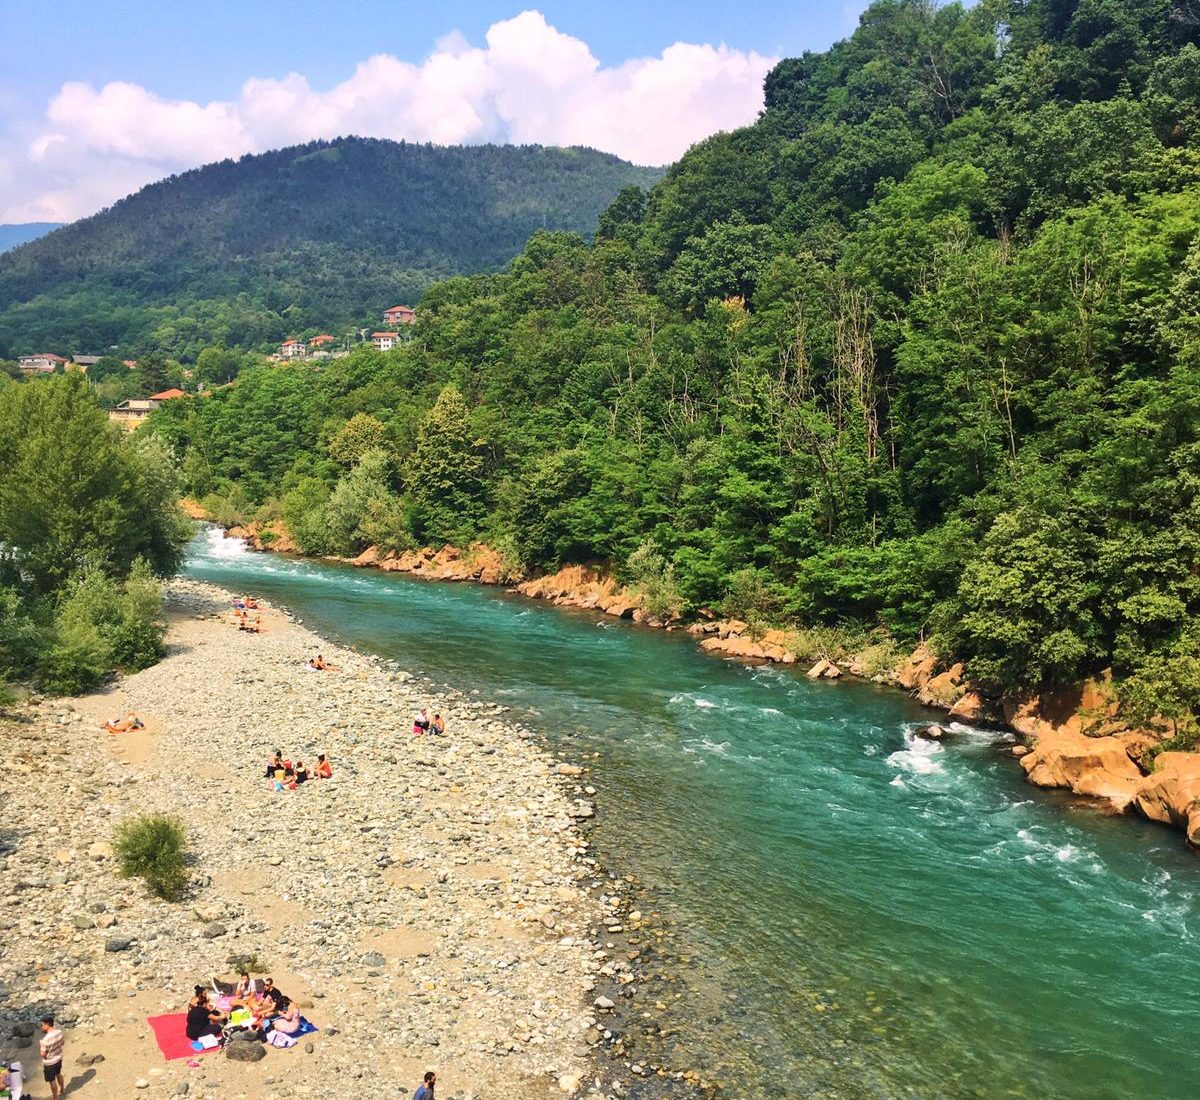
<point x="853" y="913"/>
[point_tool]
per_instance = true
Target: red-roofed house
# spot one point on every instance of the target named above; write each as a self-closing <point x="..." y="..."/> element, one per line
<point x="322" y="340"/>
<point x="385" y="341"/>
<point x="46" y="363"/>
<point x="167" y="395"/>
<point x="293" y="349"/>
<point x="399" y="315"/>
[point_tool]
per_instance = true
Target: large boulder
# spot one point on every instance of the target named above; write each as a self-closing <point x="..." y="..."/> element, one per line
<point x="245" y="1050"/>
<point x="974" y="706"/>
<point x="917" y="670"/>
<point x="1096" y="766"/>
<point x="1168" y="794"/>
<point x="943" y="689"/>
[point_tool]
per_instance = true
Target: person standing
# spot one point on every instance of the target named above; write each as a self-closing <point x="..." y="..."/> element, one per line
<point x="425" y="1092"/>
<point x="51" y="1049"/>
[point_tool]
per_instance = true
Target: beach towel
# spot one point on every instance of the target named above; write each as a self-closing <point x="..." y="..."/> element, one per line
<point x="172" y="1041"/>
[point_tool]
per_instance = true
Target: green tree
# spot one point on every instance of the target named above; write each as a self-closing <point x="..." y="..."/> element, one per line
<point x="215" y="366"/>
<point x="361" y="433"/>
<point x="445" y="472"/>
<point x="74" y="490"/>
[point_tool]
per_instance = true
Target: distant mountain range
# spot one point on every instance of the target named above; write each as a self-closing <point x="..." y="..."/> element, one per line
<point x="23" y="233"/>
<point x="323" y="235"/>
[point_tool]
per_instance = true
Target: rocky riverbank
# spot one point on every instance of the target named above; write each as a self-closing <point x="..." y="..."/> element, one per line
<point x="428" y="907"/>
<point x="1070" y="739"/>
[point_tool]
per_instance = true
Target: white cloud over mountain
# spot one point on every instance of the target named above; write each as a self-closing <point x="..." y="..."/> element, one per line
<point x="529" y="83"/>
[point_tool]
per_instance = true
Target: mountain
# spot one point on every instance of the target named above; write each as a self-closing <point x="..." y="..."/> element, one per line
<point x="23" y="233"/>
<point x="323" y="235"/>
<point x="915" y="356"/>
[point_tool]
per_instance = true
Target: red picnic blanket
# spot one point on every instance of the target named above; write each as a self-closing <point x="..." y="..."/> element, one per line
<point x="171" y="1037"/>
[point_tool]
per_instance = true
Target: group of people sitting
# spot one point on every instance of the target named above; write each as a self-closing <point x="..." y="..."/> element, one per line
<point x="286" y="774"/>
<point x="242" y="606"/>
<point x="123" y="725"/>
<point x="248" y="1007"/>
<point x="319" y="664"/>
<point x="422" y="723"/>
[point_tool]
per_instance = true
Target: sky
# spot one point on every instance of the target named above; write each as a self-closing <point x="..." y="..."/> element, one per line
<point x="98" y="99"/>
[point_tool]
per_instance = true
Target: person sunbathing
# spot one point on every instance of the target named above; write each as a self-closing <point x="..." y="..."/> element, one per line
<point x="323" y="665"/>
<point x="300" y="775"/>
<point x="439" y="724"/>
<point x="118" y="725"/>
<point x="322" y="770"/>
<point x="289" y="1021"/>
<point x="252" y="603"/>
<point x="202" y="1018"/>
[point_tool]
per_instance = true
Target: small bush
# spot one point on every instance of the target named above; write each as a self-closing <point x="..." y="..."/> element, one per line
<point x="750" y="596"/>
<point x="653" y="578"/>
<point x="152" y="848"/>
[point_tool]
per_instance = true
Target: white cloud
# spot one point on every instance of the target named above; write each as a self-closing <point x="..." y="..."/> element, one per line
<point x="529" y="83"/>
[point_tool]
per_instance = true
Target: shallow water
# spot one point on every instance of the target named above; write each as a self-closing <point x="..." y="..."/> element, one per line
<point x="856" y="914"/>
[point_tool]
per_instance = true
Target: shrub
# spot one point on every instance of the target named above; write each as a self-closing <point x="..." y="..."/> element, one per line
<point x="229" y="509"/>
<point x="18" y="636"/>
<point x="751" y="597"/>
<point x="101" y="625"/>
<point x="652" y="577"/>
<point x="151" y="848"/>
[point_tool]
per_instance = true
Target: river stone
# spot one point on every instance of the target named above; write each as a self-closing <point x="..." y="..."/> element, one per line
<point x="245" y="1051"/>
<point x="373" y="958"/>
<point x="117" y="943"/>
<point x="213" y="930"/>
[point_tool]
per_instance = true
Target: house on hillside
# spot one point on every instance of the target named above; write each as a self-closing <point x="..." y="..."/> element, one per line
<point x="322" y="341"/>
<point x="399" y="315"/>
<point x="45" y="363"/>
<point x="83" y="362"/>
<point x="385" y="341"/>
<point x="129" y="414"/>
<point x="293" y="349"/>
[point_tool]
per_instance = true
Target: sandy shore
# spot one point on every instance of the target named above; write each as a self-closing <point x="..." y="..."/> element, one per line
<point x="426" y="907"/>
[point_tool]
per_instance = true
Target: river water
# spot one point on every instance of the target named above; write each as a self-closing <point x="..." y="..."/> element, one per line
<point x="853" y="913"/>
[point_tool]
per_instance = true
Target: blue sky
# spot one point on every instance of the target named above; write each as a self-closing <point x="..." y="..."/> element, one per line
<point x="140" y="89"/>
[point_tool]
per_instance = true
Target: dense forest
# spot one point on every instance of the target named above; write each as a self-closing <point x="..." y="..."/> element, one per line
<point x="312" y="238"/>
<point x="918" y="350"/>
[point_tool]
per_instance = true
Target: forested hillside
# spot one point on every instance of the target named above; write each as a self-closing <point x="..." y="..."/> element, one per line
<point x="919" y="349"/>
<point x="318" y="236"/>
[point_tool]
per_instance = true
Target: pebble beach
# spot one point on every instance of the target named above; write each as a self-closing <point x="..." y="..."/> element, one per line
<point x="428" y="907"/>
